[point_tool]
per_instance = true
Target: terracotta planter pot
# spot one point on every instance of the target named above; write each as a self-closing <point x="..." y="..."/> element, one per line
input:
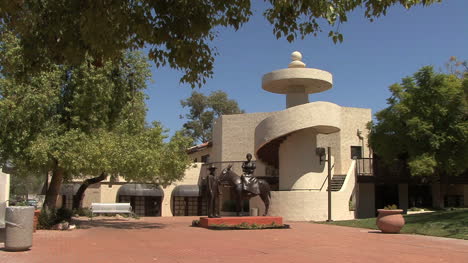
<point x="390" y="221"/>
<point x="37" y="212"/>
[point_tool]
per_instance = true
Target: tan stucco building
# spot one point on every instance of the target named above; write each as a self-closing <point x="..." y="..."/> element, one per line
<point x="288" y="148"/>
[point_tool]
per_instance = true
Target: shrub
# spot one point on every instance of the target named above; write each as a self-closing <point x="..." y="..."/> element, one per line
<point x="391" y="207"/>
<point x="46" y="219"/>
<point x="196" y="223"/>
<point x="64" y="214"/>
<point x="83" y="212"/>
<point x="50" y="217"/>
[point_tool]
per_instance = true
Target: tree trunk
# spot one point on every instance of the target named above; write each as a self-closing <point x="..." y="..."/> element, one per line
<point x="443" y="189"/>
<point x="54" y="187"/>
<point x="78" y="197"/>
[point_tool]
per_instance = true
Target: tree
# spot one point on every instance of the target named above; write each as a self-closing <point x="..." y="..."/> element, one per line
<point x="204" y="110"/>
<point x="425" y="125"/>
<point x="82" y="121"/>
<point x="178" y="33"/>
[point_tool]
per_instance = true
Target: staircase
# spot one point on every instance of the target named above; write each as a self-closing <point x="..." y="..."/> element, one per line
<point x="337" y="182"/>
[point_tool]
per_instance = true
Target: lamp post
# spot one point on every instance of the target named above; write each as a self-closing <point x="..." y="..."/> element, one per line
<point x="321" y="153"/>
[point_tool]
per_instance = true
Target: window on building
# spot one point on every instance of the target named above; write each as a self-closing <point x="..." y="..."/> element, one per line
<point x="205" y="158"/>
<point x="356" y="152"/>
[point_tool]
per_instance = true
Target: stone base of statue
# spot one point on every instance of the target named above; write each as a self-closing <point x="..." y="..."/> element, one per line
<point x="260" y="221"/>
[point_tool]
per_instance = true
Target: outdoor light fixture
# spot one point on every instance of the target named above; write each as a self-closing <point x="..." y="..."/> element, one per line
<point x="320" y="151"/>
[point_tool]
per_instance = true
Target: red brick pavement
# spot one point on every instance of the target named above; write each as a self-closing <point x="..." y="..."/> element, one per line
<point x="172" y="240"/>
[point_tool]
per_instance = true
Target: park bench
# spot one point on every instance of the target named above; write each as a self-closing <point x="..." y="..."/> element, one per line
<point x="111" y="208"/>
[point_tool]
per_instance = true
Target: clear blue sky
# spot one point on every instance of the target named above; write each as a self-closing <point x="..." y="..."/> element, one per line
<point x="371" y="58"/>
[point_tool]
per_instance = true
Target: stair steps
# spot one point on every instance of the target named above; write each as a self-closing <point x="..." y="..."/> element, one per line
<point x="337" y="182"/>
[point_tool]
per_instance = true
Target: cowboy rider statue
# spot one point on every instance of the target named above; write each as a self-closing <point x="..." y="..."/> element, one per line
<point x="249" y="182"/>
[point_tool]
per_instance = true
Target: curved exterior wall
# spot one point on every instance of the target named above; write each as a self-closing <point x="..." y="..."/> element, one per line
<point x="324" y="117"/>
<point x="311" y="205"/>
<point x="302" y="191"/>
<point x="299" y="167"/>
<point x="301" y="128"/>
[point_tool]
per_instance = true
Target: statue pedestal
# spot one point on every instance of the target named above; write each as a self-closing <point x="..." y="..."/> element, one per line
<point x="232" y="221"/>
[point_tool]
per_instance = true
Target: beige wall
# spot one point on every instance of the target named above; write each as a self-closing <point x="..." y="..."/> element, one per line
<point x="311" y="205"/>
<point x="193" y="176"/>
<point x="334" y="142"/>
<point x="4" y="187"/>
<point x="217" y="140"/>
<point x="299" y="165"/>
<point x="109" y="192"/>
<point x="353" y="119"/>
<point x="233" y="138"/>
<point x="198" y="154"/>
<point x="92" y="195"/>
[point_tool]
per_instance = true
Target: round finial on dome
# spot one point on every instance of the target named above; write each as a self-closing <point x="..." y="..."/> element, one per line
<point x="296" y="55"/>
<point x="296" y="62"/>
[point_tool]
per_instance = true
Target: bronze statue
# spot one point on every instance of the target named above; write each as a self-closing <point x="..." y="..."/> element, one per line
<point x="213" y="193"/>
<point x="249" y="182"/>
<point x="259" y="187"/>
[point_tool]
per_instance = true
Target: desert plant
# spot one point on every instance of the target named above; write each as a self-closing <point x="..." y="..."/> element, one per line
<point x="391" y="207"/>
<point x="196" y="223"/>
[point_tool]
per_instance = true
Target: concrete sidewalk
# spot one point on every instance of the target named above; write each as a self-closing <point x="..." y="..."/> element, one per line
<point x="173" y="240"/>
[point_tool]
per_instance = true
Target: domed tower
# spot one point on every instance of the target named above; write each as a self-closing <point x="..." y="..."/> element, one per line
<point x="297" y="81"/>
<point x="288" y="139"/>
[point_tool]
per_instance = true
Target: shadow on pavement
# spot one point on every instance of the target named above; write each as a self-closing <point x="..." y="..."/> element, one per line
<point x="116" y="224"/>
<point x="376" y="232"/>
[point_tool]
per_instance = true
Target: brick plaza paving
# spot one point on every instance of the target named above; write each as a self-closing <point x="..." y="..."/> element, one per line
<point x="171" y="239"/>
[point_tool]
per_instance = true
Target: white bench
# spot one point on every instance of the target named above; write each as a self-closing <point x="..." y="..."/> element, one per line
<point x="112" y="208"/>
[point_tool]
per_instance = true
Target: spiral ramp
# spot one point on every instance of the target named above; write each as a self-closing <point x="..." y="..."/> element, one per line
<point x="287" y="140"/>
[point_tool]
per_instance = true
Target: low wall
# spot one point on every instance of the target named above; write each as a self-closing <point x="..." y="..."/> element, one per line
<point x="311" y="205"/>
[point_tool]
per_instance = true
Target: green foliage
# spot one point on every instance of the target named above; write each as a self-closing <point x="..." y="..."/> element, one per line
<point x="391" y="207"/>
<point x="425" y="124"/>
<point x="84" y="120"/>
<point x="415" y="209"/>
<point x="196" y="223"/>
<point x="178" y="33"/>
<point x="451" y="224"/>
<point x="203" y="110"/>
<point x="83" y="211"/>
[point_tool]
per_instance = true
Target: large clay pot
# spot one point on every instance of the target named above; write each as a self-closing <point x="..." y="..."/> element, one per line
<point x="390" y="221"/>
<point x="19" y="227"/>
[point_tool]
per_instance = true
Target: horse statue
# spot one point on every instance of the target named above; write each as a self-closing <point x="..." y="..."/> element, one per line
<point x="231" y="178"/>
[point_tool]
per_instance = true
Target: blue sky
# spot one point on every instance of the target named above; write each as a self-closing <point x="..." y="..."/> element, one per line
<point x="371" y="58"/>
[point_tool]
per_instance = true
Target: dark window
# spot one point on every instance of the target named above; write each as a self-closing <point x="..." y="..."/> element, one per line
<point x="356" y="152"/>
<point x="205" y="158"/>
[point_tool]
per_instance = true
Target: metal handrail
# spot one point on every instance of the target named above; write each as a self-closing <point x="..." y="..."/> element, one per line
<point x="362" y="169"/>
